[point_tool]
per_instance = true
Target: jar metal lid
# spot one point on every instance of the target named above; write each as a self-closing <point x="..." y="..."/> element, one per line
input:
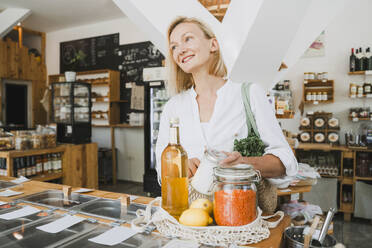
<point x="237" y="173"/>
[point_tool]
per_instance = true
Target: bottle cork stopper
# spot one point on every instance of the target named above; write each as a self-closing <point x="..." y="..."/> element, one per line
<point x="124" y="200"/>
<point x="66" y="191"/>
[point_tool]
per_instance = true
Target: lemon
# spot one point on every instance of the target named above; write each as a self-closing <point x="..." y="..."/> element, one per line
<point x="204" y="204"/>
<point x="195" y="217"/>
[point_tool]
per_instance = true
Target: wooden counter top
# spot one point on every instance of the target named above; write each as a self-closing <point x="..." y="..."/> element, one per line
<point x="32" y="187"/>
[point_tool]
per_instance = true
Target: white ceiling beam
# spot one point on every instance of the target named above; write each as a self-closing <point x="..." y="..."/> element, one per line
<point x="154" y="17"/>
<point x="11" y="17"/>
<point x="268" y="40"/>
<point x="236" y="24"/>
<point x="319" y="14"/>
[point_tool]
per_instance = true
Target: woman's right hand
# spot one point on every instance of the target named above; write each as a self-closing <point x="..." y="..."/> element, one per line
<point x="193" y="166"/>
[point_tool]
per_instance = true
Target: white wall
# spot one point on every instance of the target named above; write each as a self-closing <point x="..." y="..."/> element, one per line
<point x="129" y="142"/>
<point x="349" y="29"/>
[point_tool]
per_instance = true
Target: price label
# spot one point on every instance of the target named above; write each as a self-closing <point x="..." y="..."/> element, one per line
<point x="324" y="80"/>
<point x="93" y="99"/>
<point x="316" y="102"/>
<point x="105" y="99"/>
<point x="305" y="82"/>
<point x="280" y="111"/>
<point x="355" y="119"/>
<point x="155" y="84"/>
<point x="295" y="197"/>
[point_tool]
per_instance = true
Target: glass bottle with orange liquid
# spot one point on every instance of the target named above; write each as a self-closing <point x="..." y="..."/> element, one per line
<point x="174" y="180"/>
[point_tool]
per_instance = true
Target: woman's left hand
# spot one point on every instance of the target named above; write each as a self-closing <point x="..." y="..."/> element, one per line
<point x="233" y="158"/>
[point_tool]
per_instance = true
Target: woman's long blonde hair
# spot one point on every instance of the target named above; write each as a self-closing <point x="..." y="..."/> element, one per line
<point x="180" y="80"/>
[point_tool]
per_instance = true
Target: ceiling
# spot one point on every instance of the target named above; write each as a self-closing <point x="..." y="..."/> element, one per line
<point x="52" y="15"/>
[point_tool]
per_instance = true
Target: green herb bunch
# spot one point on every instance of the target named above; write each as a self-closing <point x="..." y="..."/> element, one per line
<point x="252" y="146"/>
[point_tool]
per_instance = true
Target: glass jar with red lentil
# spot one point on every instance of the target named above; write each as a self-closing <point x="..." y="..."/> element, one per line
<point x="235" y="195"/>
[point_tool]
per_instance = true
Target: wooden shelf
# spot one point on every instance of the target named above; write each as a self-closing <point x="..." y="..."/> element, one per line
<point x="356" y="119"/>
<point x="364" y="178"/>
<point x="119" y="101"/>
<point x="101" y="99"/>
<point x="323" y="147"/>
<point x="346" y="207"/>
<point x="101" y="83"/>
<point x="96" y="118"/>
<point x="360" y="73"/>
<point x="369" y="96"/>
<point x="329" y="176"/>
<point x="118" y="126"/>
<point x="123" y="125"/>
<point x="360" y="148"/>
<point x="318" y="102"/>
<point x="318" y="83"/>
<point x="47" y="177"/>
<point x="316" y="86"/>
<point x="347" y="180"/>
<point x="286" y="115"/>
<point x="20" y="153"/>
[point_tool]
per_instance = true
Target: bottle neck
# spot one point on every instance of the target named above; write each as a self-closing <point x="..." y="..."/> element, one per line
<point x="174" y="137"/>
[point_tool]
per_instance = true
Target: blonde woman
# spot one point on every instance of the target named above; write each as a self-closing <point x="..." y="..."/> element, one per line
<point x="210" y="106"/>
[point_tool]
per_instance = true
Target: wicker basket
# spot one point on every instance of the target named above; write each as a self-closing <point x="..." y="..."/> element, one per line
<point x="168" y="226"/>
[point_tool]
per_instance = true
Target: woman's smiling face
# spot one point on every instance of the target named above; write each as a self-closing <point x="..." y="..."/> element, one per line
<point x="191" y="49"/>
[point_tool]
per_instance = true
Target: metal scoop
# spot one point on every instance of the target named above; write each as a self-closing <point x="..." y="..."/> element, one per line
<point x="324" y="230"/>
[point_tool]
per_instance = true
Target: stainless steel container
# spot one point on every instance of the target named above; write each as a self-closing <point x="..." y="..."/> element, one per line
<point x="293" y="238"/>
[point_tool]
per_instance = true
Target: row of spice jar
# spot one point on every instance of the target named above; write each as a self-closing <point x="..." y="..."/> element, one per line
<point x="317" y="96"/>
<point x="319" y="137"/>
<point x="358" y="90"/>
<point x="316" y="76"/>
<point x="25" y="140"/>
<point x="360" y="113"/>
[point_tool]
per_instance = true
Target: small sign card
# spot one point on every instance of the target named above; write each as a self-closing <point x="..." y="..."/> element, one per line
<point x="20" y="179"/>
<point x="61" y="224"/>
<point x="9" y="192"/>
<point x="25" y="211"/>
<point x="114" y="236"/>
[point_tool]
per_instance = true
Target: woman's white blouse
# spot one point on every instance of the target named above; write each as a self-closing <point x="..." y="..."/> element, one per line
<point x="228" y="122"/>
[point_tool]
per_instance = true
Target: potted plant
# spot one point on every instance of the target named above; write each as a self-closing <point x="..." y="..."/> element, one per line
<point x="78" y="59"/>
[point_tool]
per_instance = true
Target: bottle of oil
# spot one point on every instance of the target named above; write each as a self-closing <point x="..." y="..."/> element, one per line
<point x="174" y="168"/>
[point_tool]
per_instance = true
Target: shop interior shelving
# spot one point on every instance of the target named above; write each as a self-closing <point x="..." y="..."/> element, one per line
<point x="346" y="182"/>
<point x="312" y="85"/>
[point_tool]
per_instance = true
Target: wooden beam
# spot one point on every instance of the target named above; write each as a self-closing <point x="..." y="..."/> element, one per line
<point x="10" y="17"/>
<point x="20" y="36"/>
<point x="114" y="164"/>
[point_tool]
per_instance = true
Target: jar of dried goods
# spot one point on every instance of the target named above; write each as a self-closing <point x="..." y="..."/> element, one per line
<point x="235" y="199"/>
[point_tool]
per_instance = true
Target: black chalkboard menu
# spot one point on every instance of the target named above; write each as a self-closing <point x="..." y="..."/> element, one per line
<point x="89" y="54"/>
<point x="136" y="56"/>
<point x="132" y="58"/>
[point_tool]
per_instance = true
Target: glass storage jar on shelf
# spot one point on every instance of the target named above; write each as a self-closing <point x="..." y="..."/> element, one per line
<point x="6" y="140"/>
<point x="235" y="195"/>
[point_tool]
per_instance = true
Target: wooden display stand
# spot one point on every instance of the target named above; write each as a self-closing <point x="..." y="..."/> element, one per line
<point x="315" y="86"/>
<point x="79" y="164"/>
<point x="344" y="180"/>
<point x="326" y="129"/>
